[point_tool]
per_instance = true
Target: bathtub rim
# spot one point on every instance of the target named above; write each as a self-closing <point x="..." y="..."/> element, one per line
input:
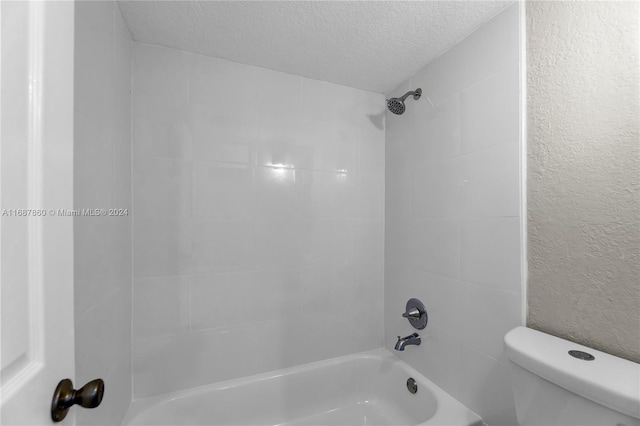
<point x="446" y="403"/>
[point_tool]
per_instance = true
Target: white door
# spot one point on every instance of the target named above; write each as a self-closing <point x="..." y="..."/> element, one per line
<point x="36" y="174"/>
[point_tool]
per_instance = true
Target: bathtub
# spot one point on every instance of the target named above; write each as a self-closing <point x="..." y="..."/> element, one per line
<point x="368" y="388"/>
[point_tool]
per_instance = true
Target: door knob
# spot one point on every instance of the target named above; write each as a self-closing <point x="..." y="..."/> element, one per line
<point x="88" y="396"/>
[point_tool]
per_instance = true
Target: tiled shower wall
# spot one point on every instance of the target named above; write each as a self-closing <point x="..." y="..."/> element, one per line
<point x="453" y="216"/>
<point x="102" y="180"/>
<point x="258" y="226"/>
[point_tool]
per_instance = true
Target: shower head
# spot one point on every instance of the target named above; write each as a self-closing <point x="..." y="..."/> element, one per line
<point x="396" y="105"/>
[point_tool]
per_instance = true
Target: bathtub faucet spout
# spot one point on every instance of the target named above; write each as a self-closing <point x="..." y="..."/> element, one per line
<point x="413" y="339"/>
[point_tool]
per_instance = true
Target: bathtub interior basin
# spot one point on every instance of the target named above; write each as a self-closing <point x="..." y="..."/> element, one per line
<point x="368" y="388"/>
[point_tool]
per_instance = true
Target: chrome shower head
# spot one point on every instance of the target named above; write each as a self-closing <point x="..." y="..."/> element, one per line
<point x="396" y="105"/>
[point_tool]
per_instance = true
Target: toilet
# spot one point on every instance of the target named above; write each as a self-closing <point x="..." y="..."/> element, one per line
<point x="553" y="387"/>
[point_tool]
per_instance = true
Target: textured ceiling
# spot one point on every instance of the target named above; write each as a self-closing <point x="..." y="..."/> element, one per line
<point x="371" y="45"/>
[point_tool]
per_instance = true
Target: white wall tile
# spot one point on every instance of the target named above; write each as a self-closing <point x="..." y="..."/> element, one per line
<point x="121" y="152"/>
<point x="275" y="354"/>
<point x="287" y="244"/>
<point x="105" y="354"/>
<point x="279" y="243"/>
<point x="396" y="247"/>
<point x="368" y="242"/>
<point x="220" y="245"/>
<point x="488" y="181"/>
<point x="397" y="194"/>
<point x="441" y="363"/>
<point x="370" y="197"/>
<point x="156" y="370"/>
<point x="208" y="297"/>
<point x="102" y="179"/>
<point x="436" y="134"/>
<point x="445" y="300"/>
<point x="371" y="145"/>
<point x="160" y="128"/>
<point x="397" y="148"/>
<point x="454" y="157"/>
<point x="487" y="388"/>
<point x="243" y="298"/>
<point x="436" y="188"/>
<point x="221" y="137"/>
<point x="222" y="191"/>
<point x="490" y="251"/>
<point x="160" y="72"/>
<point x="455" y="70"/>
<point x="326" y="146"/>
<point x="490" y="111"/>
<point x="225" y="86"/>
<point x="161" y="306"/>
<point x="434" y="246"/>
<point x="95" y="329"/>
<point x="502" y="36"/>
<point x="94" y="75"/>
<point x="277" y="97"/>
<point x="323" y="289"/>
<point x="320" y="102"/>
<point x="331" y="195"/>
<point x="275" y="295"/>
<point x="282" y="193"/>
<point x="162" y="229"/>
<point x="92" y="164"/>
<point x="368" y="338"/>
<point x="324" y="336"/>
<point x="491" y="48"/>
<point x="275" y="192"/>
<point x="105" y="263"/>
<point x="122" y="54"/>
<point x="278" y="150"/>
<point x="328" y="243"/>
<point x="91" y="270"/>
<point x="493" y="312"/>
<point x="266" y="192"/>
<point x="119" y="375"/>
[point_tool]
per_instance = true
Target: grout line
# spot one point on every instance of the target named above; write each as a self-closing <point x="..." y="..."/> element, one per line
<point x="523" y="161"/>
<point x="131" y="125"/>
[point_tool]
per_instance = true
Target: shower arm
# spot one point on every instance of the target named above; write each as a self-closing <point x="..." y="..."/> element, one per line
<point x="416" y="95"/>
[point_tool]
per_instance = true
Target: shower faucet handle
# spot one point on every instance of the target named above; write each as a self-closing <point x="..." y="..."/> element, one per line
<point x="416" y="313"/>
<point x="412" y="313"/>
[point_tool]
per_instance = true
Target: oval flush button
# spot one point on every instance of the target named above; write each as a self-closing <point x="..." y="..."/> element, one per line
<point x="582" y="355"/>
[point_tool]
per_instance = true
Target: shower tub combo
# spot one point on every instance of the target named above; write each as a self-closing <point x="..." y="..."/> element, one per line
<point x="369" y="388"/>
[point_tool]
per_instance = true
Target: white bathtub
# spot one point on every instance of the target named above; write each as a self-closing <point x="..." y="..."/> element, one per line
<point x="368" y="388"/>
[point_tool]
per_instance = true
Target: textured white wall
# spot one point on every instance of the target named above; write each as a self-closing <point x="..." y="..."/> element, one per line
<point x="102" y="179"/>
<point x="258" y="225"/>
<point x="584" y="173"/>
<point x="452" y="217"/>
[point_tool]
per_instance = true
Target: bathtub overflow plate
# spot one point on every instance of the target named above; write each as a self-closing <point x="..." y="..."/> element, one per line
<point x="585" y="356"/>
<point x="412" y="385"/>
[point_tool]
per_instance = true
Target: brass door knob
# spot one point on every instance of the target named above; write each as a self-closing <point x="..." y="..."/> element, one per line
<point x="88" y="396"/>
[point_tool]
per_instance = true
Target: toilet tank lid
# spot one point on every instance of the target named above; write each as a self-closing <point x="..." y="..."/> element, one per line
<point x="608" y="380"/>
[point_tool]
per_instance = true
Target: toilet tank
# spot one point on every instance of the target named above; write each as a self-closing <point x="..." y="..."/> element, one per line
<point x="552" y="387"/>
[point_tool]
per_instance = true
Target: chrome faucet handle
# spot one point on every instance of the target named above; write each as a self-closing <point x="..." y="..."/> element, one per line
<point x="412" y="313"/>
<point x="416" y="313"/>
